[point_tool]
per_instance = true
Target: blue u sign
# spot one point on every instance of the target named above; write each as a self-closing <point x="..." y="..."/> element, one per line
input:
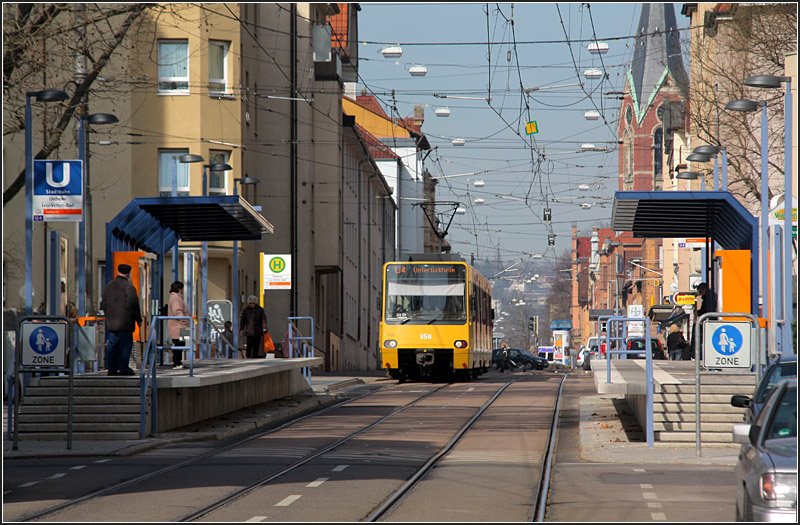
<point x="57" y="177"/>
<point x="44" y="340"/>
<point x="727" y="340"/>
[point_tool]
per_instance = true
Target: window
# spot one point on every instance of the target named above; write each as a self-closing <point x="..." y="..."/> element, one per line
<point x="217" y="180"/>
<point x="628" y="159"/>
<point x="218" y="67"/>
<point x="169" y="167"/>
<point x="658" y="158"/>
<point x="173" y="67"/>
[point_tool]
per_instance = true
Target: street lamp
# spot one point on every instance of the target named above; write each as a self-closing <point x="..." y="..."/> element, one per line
<point x="217" y="166"/>
<point x="709" y="151"/>
<point x="773" y="82"/>
<point x="244" y="181"/>
<point x="186" y="158"/>
<point x="83" y="254"/>
<point x="46" y="95"/>
<point x="749" y="106"/>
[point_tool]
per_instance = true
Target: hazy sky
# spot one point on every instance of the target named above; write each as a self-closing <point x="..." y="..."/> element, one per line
<point x="470" y="49"/>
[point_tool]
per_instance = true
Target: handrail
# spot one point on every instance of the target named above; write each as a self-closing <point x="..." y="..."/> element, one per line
<point x="292" y="338"/>
<point x="228" y="344"/>
<point x="148" y="370"/>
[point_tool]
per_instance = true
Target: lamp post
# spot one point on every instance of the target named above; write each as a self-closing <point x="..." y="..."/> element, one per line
<point x="82" y="255"/>
<point x="46" y="95"/>
<point x="773" y="82"/>
<point x="204" y="259"/>
<point x="186" y="158"/>
<point x="244" y="181"/>
<point x="747" y="106"/>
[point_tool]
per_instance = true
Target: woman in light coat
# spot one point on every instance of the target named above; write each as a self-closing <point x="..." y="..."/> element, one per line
<point x="176" y="307"/>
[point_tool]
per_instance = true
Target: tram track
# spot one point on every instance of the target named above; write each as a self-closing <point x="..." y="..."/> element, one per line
<point x="324" y="452"/>
<point x="118" y="487"/>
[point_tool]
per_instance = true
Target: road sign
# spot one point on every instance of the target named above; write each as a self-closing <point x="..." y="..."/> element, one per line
<point x="220" y="311"/>
<point x="777" y="213"/>
<point x="276" y="271"/>
<point x="726" y="344"/>
<point x="44" y="344"/>
<point x="697" y="242"/>
<point x="636" y="328"/>
<point x="531" y="128"/>
<point x="57" y="190"/>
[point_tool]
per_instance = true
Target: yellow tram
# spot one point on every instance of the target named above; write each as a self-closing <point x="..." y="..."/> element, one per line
<point x="436" y="318"/>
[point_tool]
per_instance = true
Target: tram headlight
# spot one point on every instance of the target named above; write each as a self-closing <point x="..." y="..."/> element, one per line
<point x="460" y="344"/>
<point x="390" y="343"/>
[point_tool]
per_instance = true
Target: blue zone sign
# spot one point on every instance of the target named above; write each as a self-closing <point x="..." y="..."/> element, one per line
<point x="44" y="344"/>
<point x="726" y="345"/>
<point x="57" y="190"/>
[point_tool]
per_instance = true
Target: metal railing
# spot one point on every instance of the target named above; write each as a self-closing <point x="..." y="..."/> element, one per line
<point x="148" y="369"/>
<point x="222" y="342"/>
<point x="295" y="336"/>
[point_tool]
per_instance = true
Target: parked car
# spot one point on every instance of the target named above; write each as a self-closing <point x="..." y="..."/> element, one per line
<point x="786" y="367"/>
<point x="638" y="343"/>
<point x="766" y="474"/>
<point x="519" y="358"/>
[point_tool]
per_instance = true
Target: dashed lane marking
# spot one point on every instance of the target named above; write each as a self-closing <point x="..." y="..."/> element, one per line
<point x="340" y="468"/>
<point x="102" y="460"/>
<point x="288" y="500"/>
<point x="650" y="495"/>
<point x="639" y="470"/>
<point x="59" y="475"/>
<point x="645" y="486"/>
<point x="654" y="505"/>
<point x="29" y="484"/>
<point x="658" y="516"/>
<point x="78" y="467"/>
<point x="256" y="519"/>
<point x="317" y="482"/>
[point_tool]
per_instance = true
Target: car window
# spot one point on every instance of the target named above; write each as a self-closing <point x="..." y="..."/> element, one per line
<point x="762" y="415"/>
<point x="784" y="422"/>
<point x="773" y="376"/>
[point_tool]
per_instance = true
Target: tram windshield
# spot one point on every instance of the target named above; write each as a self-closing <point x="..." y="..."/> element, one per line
<point x="425" y="294"/>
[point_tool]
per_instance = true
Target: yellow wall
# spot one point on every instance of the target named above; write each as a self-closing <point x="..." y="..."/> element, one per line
<point x="372" y="122"/>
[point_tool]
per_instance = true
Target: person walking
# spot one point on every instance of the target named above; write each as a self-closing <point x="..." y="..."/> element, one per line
<point x="176" y="307"/>
<point x="120" y="303"/>
<point x="705" y="302"/>
<point x="254" y="325"/>
<point x="676" y="343"/>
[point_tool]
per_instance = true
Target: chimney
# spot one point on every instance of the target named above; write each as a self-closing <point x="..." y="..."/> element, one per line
<point x="419" y="115"/>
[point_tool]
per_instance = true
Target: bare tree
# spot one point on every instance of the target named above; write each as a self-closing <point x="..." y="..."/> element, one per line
<point x="39" y="47"/>
<point x="755" y="40"/>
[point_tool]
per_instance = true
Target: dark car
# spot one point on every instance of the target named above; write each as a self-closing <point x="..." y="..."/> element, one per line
<point x="518" y="359"/>
<point x="786" y="367"/>
<point x="639" y="343"/>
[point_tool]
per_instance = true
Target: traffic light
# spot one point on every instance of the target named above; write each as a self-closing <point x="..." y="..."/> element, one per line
<point x="547" y="214"/>
<point x="530" y="325"/>
<point x="551" y="240"/>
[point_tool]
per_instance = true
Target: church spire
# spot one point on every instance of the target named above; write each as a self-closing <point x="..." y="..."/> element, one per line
<point x="657" y="54"/>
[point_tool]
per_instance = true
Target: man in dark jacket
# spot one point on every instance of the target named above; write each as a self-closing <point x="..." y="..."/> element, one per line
<point x="121" y="306"/>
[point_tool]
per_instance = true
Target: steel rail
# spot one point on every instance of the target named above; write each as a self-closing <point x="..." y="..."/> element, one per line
<point x="403" y="490"/>
<point x="544" y="484"/>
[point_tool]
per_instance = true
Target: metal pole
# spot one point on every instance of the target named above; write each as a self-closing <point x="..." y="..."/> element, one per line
<point x="724" y="180"/>
<point x="28" y="205"/>
<point x="82" y="225"/>
<point x="204" y="281"/>
<point x="175" y="194"/>
<point x="716" y="173"/>
<point x="235" y="298"/>
<point x="764" y="207"/>
<point x="788" y="310"/>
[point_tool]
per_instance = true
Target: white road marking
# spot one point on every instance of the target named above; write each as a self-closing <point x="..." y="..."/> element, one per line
<point x="59" y="475"/>
<point x="340" y="468"/>
<point x="470" y="389"/>
<point x="650" y="495"/>
<point x="288" y="500"/>
<point x="102" y="460"/>
<point x="317" y="482"/>
<point x="655" y="505"/>
<point x="645" y="486"/>
<point x="256" y="519"/>
<point x="78" y="467"/>
<point x="639" y="470"/>
<point x="29" y="484"/>
<point x="658" y="516"/>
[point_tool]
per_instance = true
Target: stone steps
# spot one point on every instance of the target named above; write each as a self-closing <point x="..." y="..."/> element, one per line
<point x="690" y="437"/>
<point x="104" y="408"/>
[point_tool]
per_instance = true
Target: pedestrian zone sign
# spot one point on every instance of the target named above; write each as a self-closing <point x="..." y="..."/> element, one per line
<point x="44" y="344"/>
<point x="726" y="345"/>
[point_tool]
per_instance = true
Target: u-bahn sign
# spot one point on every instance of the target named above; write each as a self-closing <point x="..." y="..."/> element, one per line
<point x="726" y="344"/>
<point x="57" y="190"/>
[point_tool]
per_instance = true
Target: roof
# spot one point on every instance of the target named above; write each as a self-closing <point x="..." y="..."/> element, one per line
<point x="156" y="224"/>
<point x="715" y="214"/>
<point x="561" y="324"/>
<point x="371" y="103"/>
<point x="377" y="149"/>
